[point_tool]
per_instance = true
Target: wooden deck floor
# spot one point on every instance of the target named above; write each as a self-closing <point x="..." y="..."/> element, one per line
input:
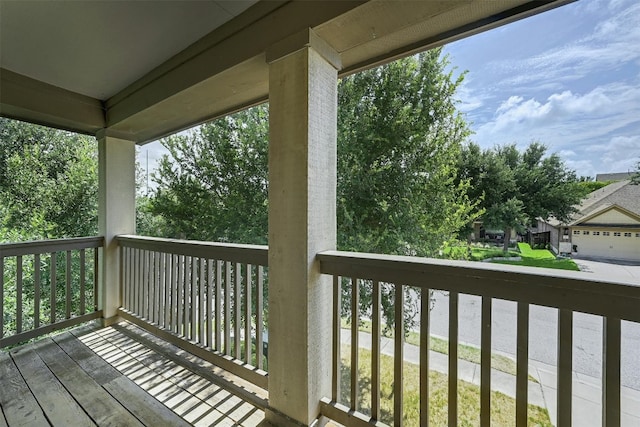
<point x="119" y="376"/>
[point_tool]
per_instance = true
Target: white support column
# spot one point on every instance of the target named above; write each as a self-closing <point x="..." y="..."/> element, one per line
<point x="116" y="214"/>
<point x="302" y="222"/>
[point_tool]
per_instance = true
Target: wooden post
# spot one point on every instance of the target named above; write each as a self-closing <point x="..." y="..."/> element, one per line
<point x="302" y="222"/>
<point x="116" y="214"/>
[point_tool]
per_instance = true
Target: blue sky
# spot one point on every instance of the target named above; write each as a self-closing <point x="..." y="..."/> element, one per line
<point x="569" y="78"/>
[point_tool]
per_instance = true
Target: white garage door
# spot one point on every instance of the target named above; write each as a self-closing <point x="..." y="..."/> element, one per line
<point x="616" y="245"/>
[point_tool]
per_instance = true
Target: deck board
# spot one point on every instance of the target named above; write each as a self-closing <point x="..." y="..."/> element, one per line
<point x="119" y="376"/>
<point x="99" y="404"/>
<point x="59" y="406"/>
<point x="17" y="402"/>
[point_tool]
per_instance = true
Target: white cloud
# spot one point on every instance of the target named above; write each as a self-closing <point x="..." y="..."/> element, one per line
<point x="613" y="42"/>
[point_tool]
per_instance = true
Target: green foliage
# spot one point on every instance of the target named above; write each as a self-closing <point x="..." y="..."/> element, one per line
<point x="399" y="137"/>
<point x="48" y="182"/>
<point x="213" y="184"/>
<point x="588" y="186"/>
<point x="635" y="179"/>
<point x="517" y="187"/>
<point x="540" y="258"/>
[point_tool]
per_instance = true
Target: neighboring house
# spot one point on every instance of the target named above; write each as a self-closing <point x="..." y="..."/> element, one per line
<point x="606" y="225"/>
<point x="618" y="176"/>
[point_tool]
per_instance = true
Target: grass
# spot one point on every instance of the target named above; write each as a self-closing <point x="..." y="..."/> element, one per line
<point x="502" y="406"/>
<point x="540" y="258"/>
<point x="527" y="252"/>
<point x="477" y="253"/>
<point x="439" y="345"/>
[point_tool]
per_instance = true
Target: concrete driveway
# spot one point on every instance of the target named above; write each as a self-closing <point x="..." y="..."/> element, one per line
<point x="603" y="267"/>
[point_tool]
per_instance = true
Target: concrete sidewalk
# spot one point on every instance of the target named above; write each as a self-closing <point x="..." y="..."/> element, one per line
<point x="587" y="393"/>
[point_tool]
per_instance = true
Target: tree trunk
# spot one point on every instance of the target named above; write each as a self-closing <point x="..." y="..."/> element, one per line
<point x="507" y="238"/>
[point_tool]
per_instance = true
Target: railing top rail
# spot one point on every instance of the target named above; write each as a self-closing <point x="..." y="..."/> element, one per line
<point x="578" y="291"/>
<point x="234" y="252"/>
<point x="47" y="246"/>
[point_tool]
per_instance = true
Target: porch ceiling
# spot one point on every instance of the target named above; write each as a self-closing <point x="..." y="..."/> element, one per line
<point x="146" y="69"/>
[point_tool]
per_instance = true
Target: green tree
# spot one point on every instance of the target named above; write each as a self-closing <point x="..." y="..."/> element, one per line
<point x="399" y="139"/>
<point x="48" y="181"/>
<point x="213" y="183"/>
<point x="516" y="188"/>
<point x="635" y="179"/>
<point x="587" y="185"/>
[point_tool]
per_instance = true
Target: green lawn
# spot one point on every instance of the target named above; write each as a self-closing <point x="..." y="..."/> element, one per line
<point x="439" y="345"/>
<point x="502" y="406"/>
<point x="540" y="258"/>
<point x="527" y="252"/>
<point x="477" y="253"/>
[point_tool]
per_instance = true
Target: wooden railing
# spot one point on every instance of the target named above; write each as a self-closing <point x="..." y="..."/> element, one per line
<point x="568" y="292"/>
<point x="47" y="285"/>
<point x="208" y="298"/>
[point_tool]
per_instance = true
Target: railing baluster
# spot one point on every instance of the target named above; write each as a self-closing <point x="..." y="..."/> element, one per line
<point x="52" y="290"/>
<point x="140" y="267"/>
<point x="202" y="282"/>
<point x="247" y="314"/>
<point x="36" y="290"/>
<point x="155" y="283"/>
<point x="174" y="292"/>
<point x="180" y="294"/>
<point x="188" y="283"/>
<point x="565" y="356"/>
<point x="167" y="290"/>
<point x="1" y="296"/>
<point x="145" y="284"/>
<point x="227" y="308"/>
<point x="375" y="351"/>
<point x="485" y="362"/>
<point x="453" y="359"/>
<point x="611" y="345"/>
<point x="193" y="305"/>
<point x="68" y="286"/>
<point x="210" y="303"/>
<point x="237" y="309"/>
<point x="95" y="278"/>
<point x="83" y="272"/>
<point x="162" y="289"/>
<point x="134" y="280"/>
<point x="18" y="294"/>
<point x="218" y="309"/>
<point x="425" y="335"/>
<point x="259" y="325"/>
<point x="355" y="323"/>
<point x="522" y="364"/>
<point x="337" y="329"/>
<point x="398" y="356"/>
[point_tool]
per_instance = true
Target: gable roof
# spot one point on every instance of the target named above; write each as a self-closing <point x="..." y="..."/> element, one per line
<point x="621" y="193"/>
<point x="601" y="209"/>
<point x="618" y="176"/>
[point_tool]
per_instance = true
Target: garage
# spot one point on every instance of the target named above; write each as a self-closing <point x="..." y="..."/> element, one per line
<point x="623" y="244"/>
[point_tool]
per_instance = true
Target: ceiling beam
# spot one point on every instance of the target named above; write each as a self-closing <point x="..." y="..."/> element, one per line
<point x="26" y="99"/>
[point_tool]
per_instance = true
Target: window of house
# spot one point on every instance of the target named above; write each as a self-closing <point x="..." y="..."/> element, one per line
<point x="586" y="233"/>
<point x="605" y="233"/>
<point x="627" y="234"/>
<point x="637" y="234"/>
<point x="576" y="231"/>
<point x="596" y="233"/>
<point x="616" y="234"/>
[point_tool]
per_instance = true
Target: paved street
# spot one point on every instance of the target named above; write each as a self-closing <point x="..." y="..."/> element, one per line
<point x="544" y="328"/>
